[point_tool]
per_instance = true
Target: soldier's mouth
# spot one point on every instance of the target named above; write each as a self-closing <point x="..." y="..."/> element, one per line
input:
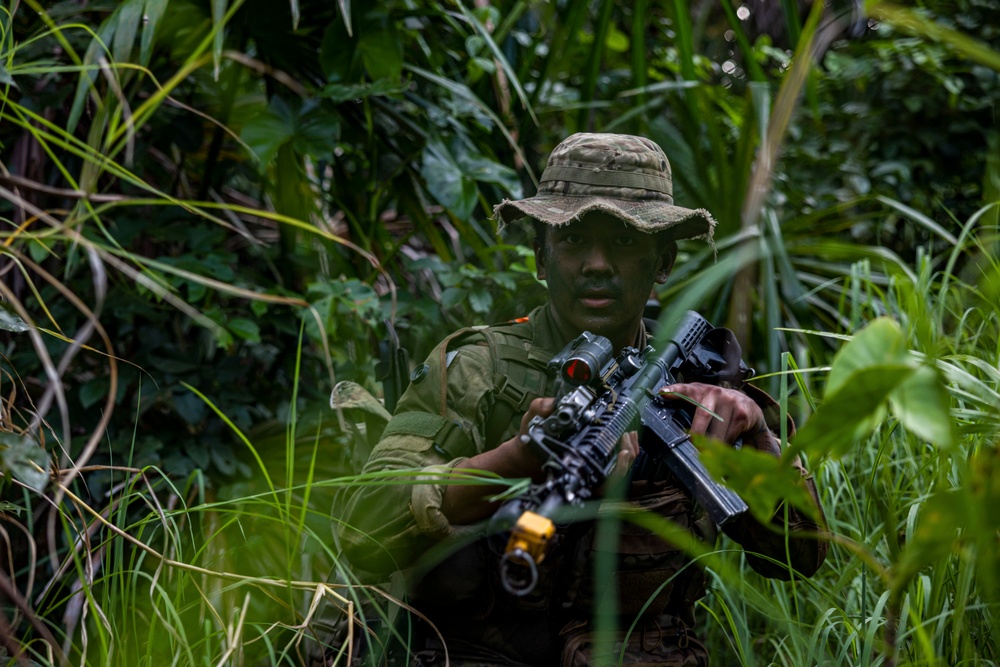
<point x="596" y="299"/>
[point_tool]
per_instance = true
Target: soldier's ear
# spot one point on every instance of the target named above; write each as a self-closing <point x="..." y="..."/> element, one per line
<point x="539" y="260"/>
<point x="668" y="255"/>
<point x="539" y="245"/>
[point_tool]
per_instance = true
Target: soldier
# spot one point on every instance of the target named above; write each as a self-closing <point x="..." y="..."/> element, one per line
<point x="606" y="232"/>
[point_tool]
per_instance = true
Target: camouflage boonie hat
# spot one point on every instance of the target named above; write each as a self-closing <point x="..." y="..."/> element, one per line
<point x="621" y="174"/>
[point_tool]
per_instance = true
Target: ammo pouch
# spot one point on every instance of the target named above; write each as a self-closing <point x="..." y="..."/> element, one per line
<point x="662" y="641"/>
<point x="645" y="575"/>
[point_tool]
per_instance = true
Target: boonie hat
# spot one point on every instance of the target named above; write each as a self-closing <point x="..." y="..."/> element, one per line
<point x="621" y="174"/>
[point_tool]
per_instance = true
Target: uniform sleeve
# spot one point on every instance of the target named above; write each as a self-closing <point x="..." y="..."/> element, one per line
<point x="802" y="550"/>
<point x="395" y="515"/>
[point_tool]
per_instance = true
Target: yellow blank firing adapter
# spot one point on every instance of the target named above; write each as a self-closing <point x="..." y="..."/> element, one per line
<point x="530" y="536"/>
<point x="529" y="540"/>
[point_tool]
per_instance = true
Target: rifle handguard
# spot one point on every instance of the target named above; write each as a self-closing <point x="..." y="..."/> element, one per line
<point x="593" y="411"/>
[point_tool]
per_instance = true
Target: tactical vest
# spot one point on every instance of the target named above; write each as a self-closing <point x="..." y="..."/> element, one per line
<point x="517" y="379"/>
<point x="643" y="581"/>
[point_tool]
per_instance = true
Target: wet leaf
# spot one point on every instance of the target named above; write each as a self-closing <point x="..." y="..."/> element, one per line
<point x="11" y="321"/>
<point x="25" y="459"/>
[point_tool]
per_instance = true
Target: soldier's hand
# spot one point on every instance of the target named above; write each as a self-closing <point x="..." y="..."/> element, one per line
<point x="737" y="415"/>
<point x="628" y="450"/>
<point x="464" y="504"/>
<point x="523" y="456"/>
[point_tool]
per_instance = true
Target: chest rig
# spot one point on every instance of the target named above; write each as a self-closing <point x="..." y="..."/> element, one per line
<point x="519" y="377"/>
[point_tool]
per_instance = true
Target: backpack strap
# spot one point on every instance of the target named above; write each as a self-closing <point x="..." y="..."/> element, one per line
<point x="518" y="378"/>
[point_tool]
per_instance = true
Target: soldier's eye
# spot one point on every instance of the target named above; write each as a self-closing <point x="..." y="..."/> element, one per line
<point x="626" y="240"/>
<point x="574" y="238"/>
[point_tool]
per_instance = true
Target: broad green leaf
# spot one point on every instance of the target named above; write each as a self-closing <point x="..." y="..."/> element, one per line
<point x="984" y="485"/>
<point x="452" y="297"/>
<point x="920" y="400"/>
<point x="447" y="181"/>
<point x="761" y="479"/>
<point x="317" y="131"/>
<point x="94" y="391"/>
<point x="339" y="55"/>
<point x="921" y="403"/>
<point x="222" y="457"/>
<point x="190" y="408"/>
<point x="11" y="321"/>
<point x="308" y="128"/>
<point x="345" y="15"/>
<point x="480" y="300"/>
<point x="268" y="131"/>
<point x="851" y="414"/>
<point x="485" y="170"/>
<point x="382" y="52"/>
<point x="246" y="329"/>
<point x="172" y="366"/>
<point x="338" y="92"/>
<point x="879" y="343"/>
<point x="25" y="459"/>
<point x="198" y="453"/>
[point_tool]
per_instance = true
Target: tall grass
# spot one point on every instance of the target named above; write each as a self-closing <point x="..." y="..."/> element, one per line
<point x="911" y="576"/>
<point x="108" y="559"/>
<point x="169" y="575"/>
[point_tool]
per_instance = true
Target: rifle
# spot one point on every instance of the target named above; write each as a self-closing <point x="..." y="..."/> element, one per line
<point x="393" y="367"/>
<point x="599" y="398"/>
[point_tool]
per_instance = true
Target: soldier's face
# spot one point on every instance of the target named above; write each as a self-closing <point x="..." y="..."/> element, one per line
<point x="600" y="272"/>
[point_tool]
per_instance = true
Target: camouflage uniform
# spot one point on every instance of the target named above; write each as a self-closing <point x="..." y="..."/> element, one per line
<point x="390" y="527"/>
<point x="469" y="397"/>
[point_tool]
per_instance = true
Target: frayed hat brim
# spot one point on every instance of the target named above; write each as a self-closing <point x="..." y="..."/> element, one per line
<point x="648" y="216"/>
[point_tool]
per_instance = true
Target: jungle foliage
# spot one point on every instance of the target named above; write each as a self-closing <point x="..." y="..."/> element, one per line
<point x="211" y="212"/>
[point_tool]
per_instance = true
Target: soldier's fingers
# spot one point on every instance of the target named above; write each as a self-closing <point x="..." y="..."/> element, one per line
<point x="701" y="422"/>
<point x="629" y="444"/>
<point x="540" y="407"/>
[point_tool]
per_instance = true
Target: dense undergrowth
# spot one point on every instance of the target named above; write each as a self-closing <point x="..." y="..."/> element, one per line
<point x="207" y="221"/>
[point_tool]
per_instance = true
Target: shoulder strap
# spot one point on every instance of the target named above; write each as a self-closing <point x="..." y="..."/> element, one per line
<point x="518" y="379"/>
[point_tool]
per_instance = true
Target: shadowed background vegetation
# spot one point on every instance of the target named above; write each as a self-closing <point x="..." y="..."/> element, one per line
<point x="213" y="211"/>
